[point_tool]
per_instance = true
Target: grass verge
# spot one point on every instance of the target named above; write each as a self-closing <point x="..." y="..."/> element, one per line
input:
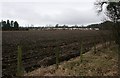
<point x="103" y="63"/>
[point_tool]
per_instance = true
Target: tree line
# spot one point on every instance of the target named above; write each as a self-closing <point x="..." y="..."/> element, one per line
<point x="9" y="25"/>
<point x="106" y="25"/>
<point x="66" y="26"/>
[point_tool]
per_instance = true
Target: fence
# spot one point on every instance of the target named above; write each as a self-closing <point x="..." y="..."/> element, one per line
<point x="104" y="43"/>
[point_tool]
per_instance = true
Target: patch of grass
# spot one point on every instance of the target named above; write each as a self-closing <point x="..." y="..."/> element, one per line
<point x="94" y="65"/>
<point x="71" y="65"/>
<point x="103" y="63"/>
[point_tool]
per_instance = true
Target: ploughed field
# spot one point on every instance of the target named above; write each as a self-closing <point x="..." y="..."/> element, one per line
<point x="39" y="47"/>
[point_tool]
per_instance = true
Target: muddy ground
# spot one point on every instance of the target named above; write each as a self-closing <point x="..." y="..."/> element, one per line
<point x="39" y="47"/>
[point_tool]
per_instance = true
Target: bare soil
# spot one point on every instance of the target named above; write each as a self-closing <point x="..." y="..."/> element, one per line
<point x="39" y="47"/>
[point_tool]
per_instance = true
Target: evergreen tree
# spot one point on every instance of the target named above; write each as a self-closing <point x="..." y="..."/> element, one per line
<point x="12" y="24"/>
<point x="4" y="25"/>
<point x="57" y="25"/>
<point x="16" y="25"/>
<point x="8" y="25"/>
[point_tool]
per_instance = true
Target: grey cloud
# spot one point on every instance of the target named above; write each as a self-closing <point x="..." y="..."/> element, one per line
<point x="42" y="13"/>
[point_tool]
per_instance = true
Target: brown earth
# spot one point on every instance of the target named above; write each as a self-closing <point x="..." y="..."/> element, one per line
<point x="39" y="47"/>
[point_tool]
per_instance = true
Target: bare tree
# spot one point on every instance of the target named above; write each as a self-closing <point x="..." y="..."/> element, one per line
<point x="113" y="13"/>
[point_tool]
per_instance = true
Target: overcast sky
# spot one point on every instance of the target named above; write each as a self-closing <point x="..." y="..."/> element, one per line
<point x="50" y="12"/>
